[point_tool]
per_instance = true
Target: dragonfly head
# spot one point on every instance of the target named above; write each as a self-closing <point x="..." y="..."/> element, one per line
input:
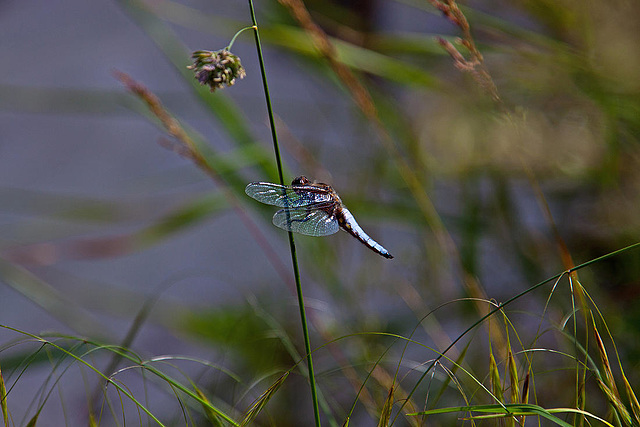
<point x="301" y="180"/>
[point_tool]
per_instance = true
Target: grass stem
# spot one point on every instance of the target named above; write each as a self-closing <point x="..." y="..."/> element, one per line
<point x="294" y="257"/>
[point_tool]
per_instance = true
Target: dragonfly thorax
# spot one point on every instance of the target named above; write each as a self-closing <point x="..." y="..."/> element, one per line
<point x="301" y="180"/>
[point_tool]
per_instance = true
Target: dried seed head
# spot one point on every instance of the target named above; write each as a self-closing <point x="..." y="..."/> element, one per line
<point x="216" y="69"/>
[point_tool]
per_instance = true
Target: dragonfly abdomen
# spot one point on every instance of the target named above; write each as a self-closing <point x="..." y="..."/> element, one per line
<point x="351" y="226"/>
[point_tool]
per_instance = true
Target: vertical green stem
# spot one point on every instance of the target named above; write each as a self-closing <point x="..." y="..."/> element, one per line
<point x="294" y="257"/>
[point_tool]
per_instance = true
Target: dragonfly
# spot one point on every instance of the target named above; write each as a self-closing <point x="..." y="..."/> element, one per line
<point x="312" y="209"/>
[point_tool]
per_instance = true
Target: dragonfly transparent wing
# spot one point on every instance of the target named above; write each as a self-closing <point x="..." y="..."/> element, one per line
<point x="286" y="196"/>
<point x="311" y="222"/>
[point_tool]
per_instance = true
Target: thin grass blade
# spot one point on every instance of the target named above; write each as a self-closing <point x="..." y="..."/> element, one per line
<point x="206" y="405"/>
<point x="512" y="367"/>
<point x="494" y="375"/>
<point x="513" y="378"/>
<point x="260" y="403"/>
<point x="447" y="379"/>
<point x="608" y="385"/>
<point x="33" y="421"/>
<point x="606" y="366"/>
<point x="633" y="400"/>
<point x="3" y="400"/>
<point x="385" y="416"/>
<point x="49" y="298"/>
<point x="504" y="410"/>
<point x="615" y="401"/>
<point x="525" y="389"/>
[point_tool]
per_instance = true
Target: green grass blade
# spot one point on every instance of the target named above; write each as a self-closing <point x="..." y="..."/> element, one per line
<point x="513" y="377"/>
<point x="633" y="400"/>
<point x="385" y="414"/>
<point x="453" y="370"/>
<point x="494" y="375"/>
<point x="292" y="246"/>
<point x="33" y="421"/>
<point x="260" y="403"/>
<point x="213" y="418"/>
<point x="608" y="384"/>
<point x="511" y="409"/>
<point x="3" y="401"/>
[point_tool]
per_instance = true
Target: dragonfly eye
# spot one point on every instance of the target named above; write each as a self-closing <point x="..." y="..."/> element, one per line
<point x="301" y="180"/>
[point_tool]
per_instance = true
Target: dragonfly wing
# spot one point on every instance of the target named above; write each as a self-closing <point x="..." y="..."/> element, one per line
<point x="286" y="196"/>
<point x="311" y="222"/>
<point x="271" y="194"/>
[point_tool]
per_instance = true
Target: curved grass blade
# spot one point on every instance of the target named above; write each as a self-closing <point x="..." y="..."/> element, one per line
<point x="49" y="298"/>
<point x="264" y="398"/>
<point x="513" y="409"/>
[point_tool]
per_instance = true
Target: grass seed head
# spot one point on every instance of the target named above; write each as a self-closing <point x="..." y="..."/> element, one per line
<point x="216" y="69"/>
